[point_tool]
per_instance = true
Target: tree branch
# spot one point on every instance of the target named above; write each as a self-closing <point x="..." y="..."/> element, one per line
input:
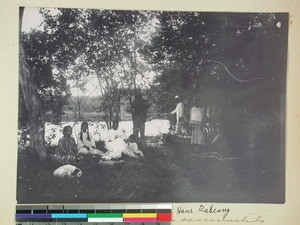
<point x="230" y="74"/>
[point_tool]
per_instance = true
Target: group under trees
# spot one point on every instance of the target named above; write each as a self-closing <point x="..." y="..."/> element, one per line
<point x="211" y="56"/>
<point x="234" y="63"/>
<point x="107" y="41"/>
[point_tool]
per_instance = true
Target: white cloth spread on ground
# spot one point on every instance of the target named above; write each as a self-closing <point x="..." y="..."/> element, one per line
<point x="67" y="171"/>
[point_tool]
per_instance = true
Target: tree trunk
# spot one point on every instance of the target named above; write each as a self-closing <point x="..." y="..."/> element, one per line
<point x="34" y="108"/>
<point x="32" y="102"/>
<point x="130" y="102"/>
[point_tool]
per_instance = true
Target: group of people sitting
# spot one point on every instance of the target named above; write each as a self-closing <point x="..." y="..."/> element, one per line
<point x="115" y="145"/>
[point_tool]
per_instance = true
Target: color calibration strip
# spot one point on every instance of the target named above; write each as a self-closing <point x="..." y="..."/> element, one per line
<point x="148" y="213"/>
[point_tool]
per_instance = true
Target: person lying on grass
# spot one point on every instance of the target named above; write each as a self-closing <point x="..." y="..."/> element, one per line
<point x="132" y="148"/>
<point x="114" y="143"/>
<point x="66" y="151"/>
<point x="85" y="141"/>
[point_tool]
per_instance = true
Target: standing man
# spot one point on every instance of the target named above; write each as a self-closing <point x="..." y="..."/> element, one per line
<point x="179" y="115"/>
<point x="139" y="107"/>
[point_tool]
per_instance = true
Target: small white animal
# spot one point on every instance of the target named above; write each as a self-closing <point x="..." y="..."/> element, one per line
<point x="67" y="171"/>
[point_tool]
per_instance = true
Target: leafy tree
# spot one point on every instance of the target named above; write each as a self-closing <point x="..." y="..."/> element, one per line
<point x="235" y="62"/>
<point x="31" y="102"/>
<point x="106" y="41"/>
<point x="80" y="74"/>
<point x="43" y="59"/>
<point x="217" y="50"/>
<point x="115" y="38"/>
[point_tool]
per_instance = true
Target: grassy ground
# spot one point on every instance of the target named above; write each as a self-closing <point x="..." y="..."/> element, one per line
<point x="170" y="172"/>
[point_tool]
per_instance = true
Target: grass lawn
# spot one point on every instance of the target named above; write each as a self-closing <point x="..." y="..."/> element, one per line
<point x="170" y="172"/>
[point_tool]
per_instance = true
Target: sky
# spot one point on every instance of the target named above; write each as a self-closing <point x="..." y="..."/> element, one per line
<point x="32" y="19"/>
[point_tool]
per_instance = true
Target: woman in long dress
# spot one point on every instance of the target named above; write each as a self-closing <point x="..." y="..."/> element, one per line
<point x="85" y="141"/>
<point x="196" y="118"/>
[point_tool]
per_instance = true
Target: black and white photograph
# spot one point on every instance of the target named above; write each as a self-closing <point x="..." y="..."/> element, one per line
<point x="134" y="106"/>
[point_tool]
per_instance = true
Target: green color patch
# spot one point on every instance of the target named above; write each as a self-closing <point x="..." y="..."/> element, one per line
<point x="104" y="215"/>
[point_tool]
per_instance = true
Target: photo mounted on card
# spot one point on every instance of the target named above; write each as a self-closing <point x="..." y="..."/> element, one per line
<point x="151" y="106"/>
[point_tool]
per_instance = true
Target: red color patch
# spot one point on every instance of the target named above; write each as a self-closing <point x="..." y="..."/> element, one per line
<point x="164" y="217"/>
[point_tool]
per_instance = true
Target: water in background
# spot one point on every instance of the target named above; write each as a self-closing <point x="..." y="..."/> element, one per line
<point x="154" y="127"/>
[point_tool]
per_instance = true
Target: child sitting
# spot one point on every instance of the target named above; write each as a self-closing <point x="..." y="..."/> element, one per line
<point x="85" y="141"/>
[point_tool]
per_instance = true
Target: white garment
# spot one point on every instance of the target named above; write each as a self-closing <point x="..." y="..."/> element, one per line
<point x="92" y="151"/>
<point x="132" y="150"/>
<point x="115" y="144"/>
<point x="113" y="134"/>
<point x="178" y="110"/>
<point x="115" y="149"/>
<point x="67" y="171"/>
<point x="85" y="141"/>
<point x="196" y="115"/>
<point x="179" y="114"/>
<point x="89" y="143"/>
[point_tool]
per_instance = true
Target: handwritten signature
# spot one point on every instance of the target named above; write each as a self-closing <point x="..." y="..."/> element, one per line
<point x="245" y="219"/>
<point x="215" y="210"/>
<point x="203" y="209"/>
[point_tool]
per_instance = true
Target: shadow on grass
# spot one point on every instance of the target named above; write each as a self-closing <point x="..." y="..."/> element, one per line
<point x="170" y="172"/>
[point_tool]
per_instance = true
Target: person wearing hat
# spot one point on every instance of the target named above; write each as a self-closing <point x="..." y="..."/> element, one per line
<point x="179" y="115"/>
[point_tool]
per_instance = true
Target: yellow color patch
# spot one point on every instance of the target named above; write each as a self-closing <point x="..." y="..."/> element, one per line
<point x="139" y="215"/>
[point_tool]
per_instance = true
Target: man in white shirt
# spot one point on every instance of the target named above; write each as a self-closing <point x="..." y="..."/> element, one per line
<point x="179" y="115"/>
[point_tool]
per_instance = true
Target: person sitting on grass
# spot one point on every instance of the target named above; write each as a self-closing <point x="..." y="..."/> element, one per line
<point x="85" y="141"/>
<point x="132" y="148"/>
<point x="66" y="151"/>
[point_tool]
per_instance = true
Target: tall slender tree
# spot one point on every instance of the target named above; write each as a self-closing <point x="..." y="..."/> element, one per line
<point x="32" y="102"/>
